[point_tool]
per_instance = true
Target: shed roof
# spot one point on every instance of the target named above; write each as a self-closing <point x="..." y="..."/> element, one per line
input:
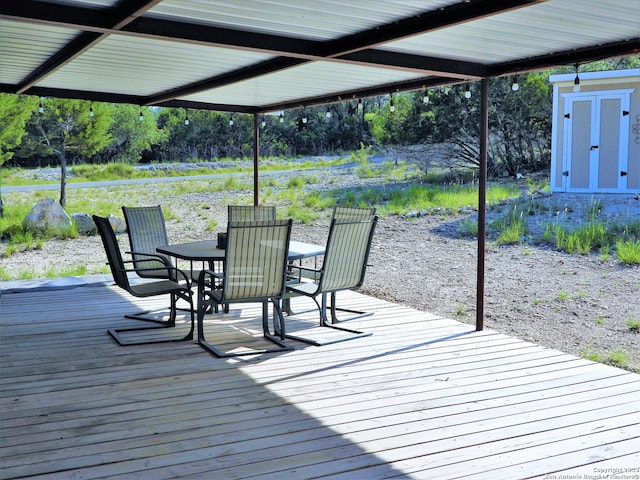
<point x="265" y="55"/>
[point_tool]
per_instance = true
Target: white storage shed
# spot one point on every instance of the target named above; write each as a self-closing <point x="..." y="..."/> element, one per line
<point x="596" y="132"/>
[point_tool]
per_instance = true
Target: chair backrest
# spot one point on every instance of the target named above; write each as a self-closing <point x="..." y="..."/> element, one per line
<point x="353" y="213"/>
<point x="251" y="213"/>
<point x="112" y="249"/>
<point x="256" y="260"/>
<point x="346" y="254"/>
<point x="147" y="231"/>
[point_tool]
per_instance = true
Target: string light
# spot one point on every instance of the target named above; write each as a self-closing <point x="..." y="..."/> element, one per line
<point x="467" y="92"/>
<point x="186" y="117"/>
<point x="91" y="114"/>
<point x="514" y="86"/>
<point x="231" y="121"/>
<point x="576" y="81"/>
<point x="281" y="117"/>
<point x="392" y="107"/>
<point x="360" y="105"/>
<point x="140" y="116"/>
<point x="328" y="113"/>
<point x="40" y="108"/>
<point x="425" y="98"/>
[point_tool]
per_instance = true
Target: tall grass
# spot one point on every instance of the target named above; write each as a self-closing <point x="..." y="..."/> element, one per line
<point x="512" y="227"/>
<point x="628" y="252"/>
<point x="124" y="171"/>
<point x="589" y="237"/>
<point x="417" y="197"/>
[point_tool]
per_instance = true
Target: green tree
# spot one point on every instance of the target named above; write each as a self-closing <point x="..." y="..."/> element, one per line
<point x="67" y="129"/>
<point x="131" y="134"/>
<point x="15" y="111"/>
<point x="205" y="136"/>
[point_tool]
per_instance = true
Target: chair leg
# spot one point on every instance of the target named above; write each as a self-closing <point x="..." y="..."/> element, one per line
<point x="334" y="309"/>
<point x="204" y="300"/>
<point x="322" y="308"/>
<point x="279" y="327"/>
<point x="115" y="332"/>
<point x="143" y="317"/>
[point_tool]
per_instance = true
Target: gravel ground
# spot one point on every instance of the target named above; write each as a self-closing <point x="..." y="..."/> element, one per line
<point x="573" y="303"/>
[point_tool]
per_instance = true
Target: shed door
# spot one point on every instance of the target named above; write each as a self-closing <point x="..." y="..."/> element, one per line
<point x="595" y="144"/>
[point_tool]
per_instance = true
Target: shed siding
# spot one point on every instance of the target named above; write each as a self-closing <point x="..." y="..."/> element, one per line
<point x="596" y="148"/>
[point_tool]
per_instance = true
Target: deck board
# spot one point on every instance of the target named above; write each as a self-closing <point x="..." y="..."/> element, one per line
<point x="424" y="397"/>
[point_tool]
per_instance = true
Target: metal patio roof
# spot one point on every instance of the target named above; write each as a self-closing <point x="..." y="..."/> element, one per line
<point x="265" y="55"/>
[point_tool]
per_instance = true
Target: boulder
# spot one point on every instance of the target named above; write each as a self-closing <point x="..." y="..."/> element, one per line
<point x="84" y="223"/>
<point x="118" y="224"/>
<point x="47" y="214"/>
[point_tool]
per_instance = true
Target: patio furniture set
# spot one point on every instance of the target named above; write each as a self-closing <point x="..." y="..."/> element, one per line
<point x="254" y="261"/>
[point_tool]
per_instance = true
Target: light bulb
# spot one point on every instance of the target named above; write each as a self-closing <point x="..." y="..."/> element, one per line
<point x="304" y="119"/>
<point x="328" y="114"/>
<point x="91" y="114"/>
<point x="515" y="87"/>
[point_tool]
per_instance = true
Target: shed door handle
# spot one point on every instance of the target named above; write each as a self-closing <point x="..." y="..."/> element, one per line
<point x="594" y="147"/>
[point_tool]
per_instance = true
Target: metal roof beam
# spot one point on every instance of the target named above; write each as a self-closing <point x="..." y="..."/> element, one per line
<point x="429" y="65"/>
<point x="581" y="55"/>
<point x="378" y="90"/>
<point x="78" y="94"/>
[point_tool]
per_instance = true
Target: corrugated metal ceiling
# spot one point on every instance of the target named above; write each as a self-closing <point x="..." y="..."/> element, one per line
<point x="266" y="90"/>
<point x="530" y="31"/>
<point x="143" y="66"/>
<point x="256" y="55"/>
<point x="302" y="19"/>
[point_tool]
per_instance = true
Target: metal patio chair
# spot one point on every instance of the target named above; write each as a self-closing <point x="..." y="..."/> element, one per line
<point x="353" y="213"/>
<point x="174" y="283"/>
<point x="250" y="213"/>
<point x="254" y="272"/>
<point x="147" y="230"/>
<point x="343" y="268"/>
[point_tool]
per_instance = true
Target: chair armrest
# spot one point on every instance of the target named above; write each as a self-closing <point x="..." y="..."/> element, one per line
<point x="306" y="272"/>
<point x="152" y="256"/>
<point x="173" y="273"/>
<point x="203" y="274"/>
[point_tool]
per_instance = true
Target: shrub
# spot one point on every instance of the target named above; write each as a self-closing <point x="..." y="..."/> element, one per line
<point x="468" y="227"/>
<point x="590" y="236"/>
<point x="628" y="252"/>
<point x="634" y="325"/>
<point x="512" y="226"/>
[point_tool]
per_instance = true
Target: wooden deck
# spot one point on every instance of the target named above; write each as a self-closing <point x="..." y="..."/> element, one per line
<point x="424" y="397"/>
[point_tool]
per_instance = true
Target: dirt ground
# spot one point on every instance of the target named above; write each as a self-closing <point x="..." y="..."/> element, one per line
<point x="574" y="303"/>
